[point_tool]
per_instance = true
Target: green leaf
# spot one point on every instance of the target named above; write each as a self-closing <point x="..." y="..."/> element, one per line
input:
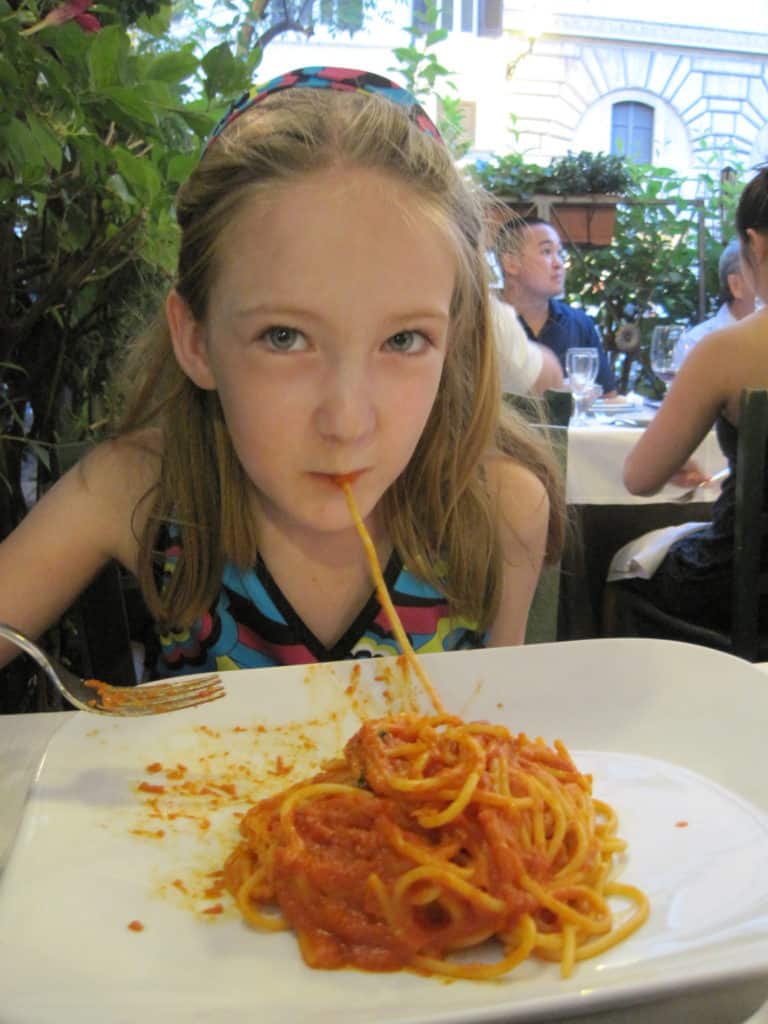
<point x="253" y="60"/>
<point x="157" y="24"/>
<point x="224" y="73"/>
<point x="140" y="175"/>
<point x="129" y="102"/>
<point x="41" y="453"/>
<point x="172" y="67"/>
<point x="46" y="140"/>
<point x="19" y="151"/>
<point x="9" y="74"/>
<point x="181" y="166"/>
<point x="117" y="183"/>
<point x="405" y="54"/>
<point x="201" y="124"/>
<point x="106" y="57"/>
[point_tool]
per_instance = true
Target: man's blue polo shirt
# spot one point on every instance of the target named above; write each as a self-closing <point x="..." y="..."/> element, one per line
<point x="566" y="328"/>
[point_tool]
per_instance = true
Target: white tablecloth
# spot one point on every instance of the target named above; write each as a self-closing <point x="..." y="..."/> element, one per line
<point x="596" y="456"/>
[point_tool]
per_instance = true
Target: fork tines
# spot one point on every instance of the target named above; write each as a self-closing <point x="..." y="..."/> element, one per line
<point x="156" y="698"/>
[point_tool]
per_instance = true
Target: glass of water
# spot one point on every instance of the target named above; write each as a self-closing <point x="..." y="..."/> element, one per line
<point x="581" y="365"/>
<point x="666" y="352"/>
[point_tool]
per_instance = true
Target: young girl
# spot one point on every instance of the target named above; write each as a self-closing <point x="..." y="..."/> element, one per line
<point x="330" y="316"/>
<point x="694" y="580"/>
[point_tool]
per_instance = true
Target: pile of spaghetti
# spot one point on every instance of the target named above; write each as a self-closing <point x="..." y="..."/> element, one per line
<point x="429" y="836"/>
<point x="432" y="835"/>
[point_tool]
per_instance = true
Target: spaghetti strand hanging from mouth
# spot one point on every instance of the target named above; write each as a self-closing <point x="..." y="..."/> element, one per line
<point x="383" y="595"/>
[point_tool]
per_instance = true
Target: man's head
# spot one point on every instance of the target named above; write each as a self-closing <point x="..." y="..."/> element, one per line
<point x="530" y="255"/>
<point x="736" y="287"/>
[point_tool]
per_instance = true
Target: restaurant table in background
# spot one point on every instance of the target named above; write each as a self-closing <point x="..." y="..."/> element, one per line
<point x="604" y="515"/>
<point x="596" y="455"/>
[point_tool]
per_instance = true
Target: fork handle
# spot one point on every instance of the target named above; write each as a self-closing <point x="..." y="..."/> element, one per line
<point x="31" y="648"/>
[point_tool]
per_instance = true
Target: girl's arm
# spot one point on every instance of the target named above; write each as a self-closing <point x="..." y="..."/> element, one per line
<point x="66" y="538"/>
<point x="523" y="517"/>
<point x="687" y="413"/>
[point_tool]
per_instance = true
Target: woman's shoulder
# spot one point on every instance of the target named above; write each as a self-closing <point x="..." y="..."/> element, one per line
<point x="733" y="357"/>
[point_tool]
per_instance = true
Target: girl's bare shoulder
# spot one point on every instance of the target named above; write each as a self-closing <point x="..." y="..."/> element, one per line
<point x="115" y="480"/>
<point x="121" y="467"/>
<point x="520" y="495"/>
<point x="505" y="472"/>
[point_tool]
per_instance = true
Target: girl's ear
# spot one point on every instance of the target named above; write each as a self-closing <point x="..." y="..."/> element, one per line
<point x="189" y="345"/>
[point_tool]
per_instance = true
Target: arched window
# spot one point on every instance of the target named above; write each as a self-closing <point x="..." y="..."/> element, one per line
<point x="632" y="131"/>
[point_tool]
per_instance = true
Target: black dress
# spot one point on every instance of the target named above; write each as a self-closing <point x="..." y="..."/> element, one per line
<point x="694" y="580"/>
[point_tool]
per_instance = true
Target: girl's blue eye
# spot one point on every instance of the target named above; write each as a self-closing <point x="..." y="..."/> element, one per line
<point x="283" y="339"/>
<point x="407" y="342"/>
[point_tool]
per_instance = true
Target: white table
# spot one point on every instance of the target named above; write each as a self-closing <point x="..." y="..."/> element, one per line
<point x="607" y="515"/>
<point x="23" y="739"/>
<point x="596" y="456"/>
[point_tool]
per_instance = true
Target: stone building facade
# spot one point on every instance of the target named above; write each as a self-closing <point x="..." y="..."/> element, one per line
<point x="684" y="89"/>
<point x="703" y="90"/>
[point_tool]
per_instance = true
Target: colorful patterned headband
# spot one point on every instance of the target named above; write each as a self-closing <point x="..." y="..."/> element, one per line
<point x="341" y="79"/>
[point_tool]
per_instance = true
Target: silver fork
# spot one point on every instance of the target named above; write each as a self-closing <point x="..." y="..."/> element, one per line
<point x="690" y="494"/>
<point x="128" y="701"/>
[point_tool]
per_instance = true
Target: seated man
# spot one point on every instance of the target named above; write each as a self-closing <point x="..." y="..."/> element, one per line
<point x="737" y="295"/>
<point x="530" y="255"/>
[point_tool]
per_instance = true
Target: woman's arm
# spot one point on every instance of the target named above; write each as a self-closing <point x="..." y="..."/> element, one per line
<point x="687" y="413"/>
<point x="523" y="518"/>
<point x="66" y="538"/>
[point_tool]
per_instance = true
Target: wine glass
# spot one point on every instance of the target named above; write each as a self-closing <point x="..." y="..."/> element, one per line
<point x="666" y="354"/>
<point x="582" y="365"/>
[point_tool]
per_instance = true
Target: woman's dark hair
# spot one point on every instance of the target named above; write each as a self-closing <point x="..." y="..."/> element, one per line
<point x="752" y="211"/>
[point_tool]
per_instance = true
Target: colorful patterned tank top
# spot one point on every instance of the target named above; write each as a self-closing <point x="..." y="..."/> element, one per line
<point x="252" y="625"/>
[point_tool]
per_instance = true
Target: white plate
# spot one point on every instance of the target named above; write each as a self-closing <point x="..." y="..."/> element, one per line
<point x="624" y="403"/>
<point x="663" y="727"/>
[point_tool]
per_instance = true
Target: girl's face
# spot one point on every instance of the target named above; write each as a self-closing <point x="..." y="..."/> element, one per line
<point x="325" y="338"/>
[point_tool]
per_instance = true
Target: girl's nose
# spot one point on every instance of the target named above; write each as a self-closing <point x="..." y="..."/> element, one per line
<point x="345" y="413"/>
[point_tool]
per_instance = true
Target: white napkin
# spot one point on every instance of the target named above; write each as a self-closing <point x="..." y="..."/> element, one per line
<point x="642" y="556"/>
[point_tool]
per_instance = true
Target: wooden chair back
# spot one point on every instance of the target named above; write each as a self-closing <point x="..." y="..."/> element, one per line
<point x="750" y="584"/>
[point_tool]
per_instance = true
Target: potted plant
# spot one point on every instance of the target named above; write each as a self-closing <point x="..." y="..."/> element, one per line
<point x="577" y="192"/>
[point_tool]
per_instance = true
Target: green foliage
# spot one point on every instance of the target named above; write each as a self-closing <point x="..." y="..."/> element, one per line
<point x="583" y="173"/>
<point x="426" y="77"/>
<point x="573" y="174"/>
<point x="651" y="272"/>
<point x="248" y="26"/>
<point x="97" y="130"/>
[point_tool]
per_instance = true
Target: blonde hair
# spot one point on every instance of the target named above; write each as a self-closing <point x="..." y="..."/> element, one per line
<point x="439" y="512"/>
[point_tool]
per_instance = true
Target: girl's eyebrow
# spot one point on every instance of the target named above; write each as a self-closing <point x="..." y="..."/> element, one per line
<point x="395" y="317"/>
<point x="270" y="308"/>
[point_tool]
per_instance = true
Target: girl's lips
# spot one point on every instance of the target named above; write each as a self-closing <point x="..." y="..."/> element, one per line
<point x="341" y="478"/>
<point x="346" y="478"/>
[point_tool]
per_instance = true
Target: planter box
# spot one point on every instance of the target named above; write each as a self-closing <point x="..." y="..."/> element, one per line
<point x="579" y="220"/>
